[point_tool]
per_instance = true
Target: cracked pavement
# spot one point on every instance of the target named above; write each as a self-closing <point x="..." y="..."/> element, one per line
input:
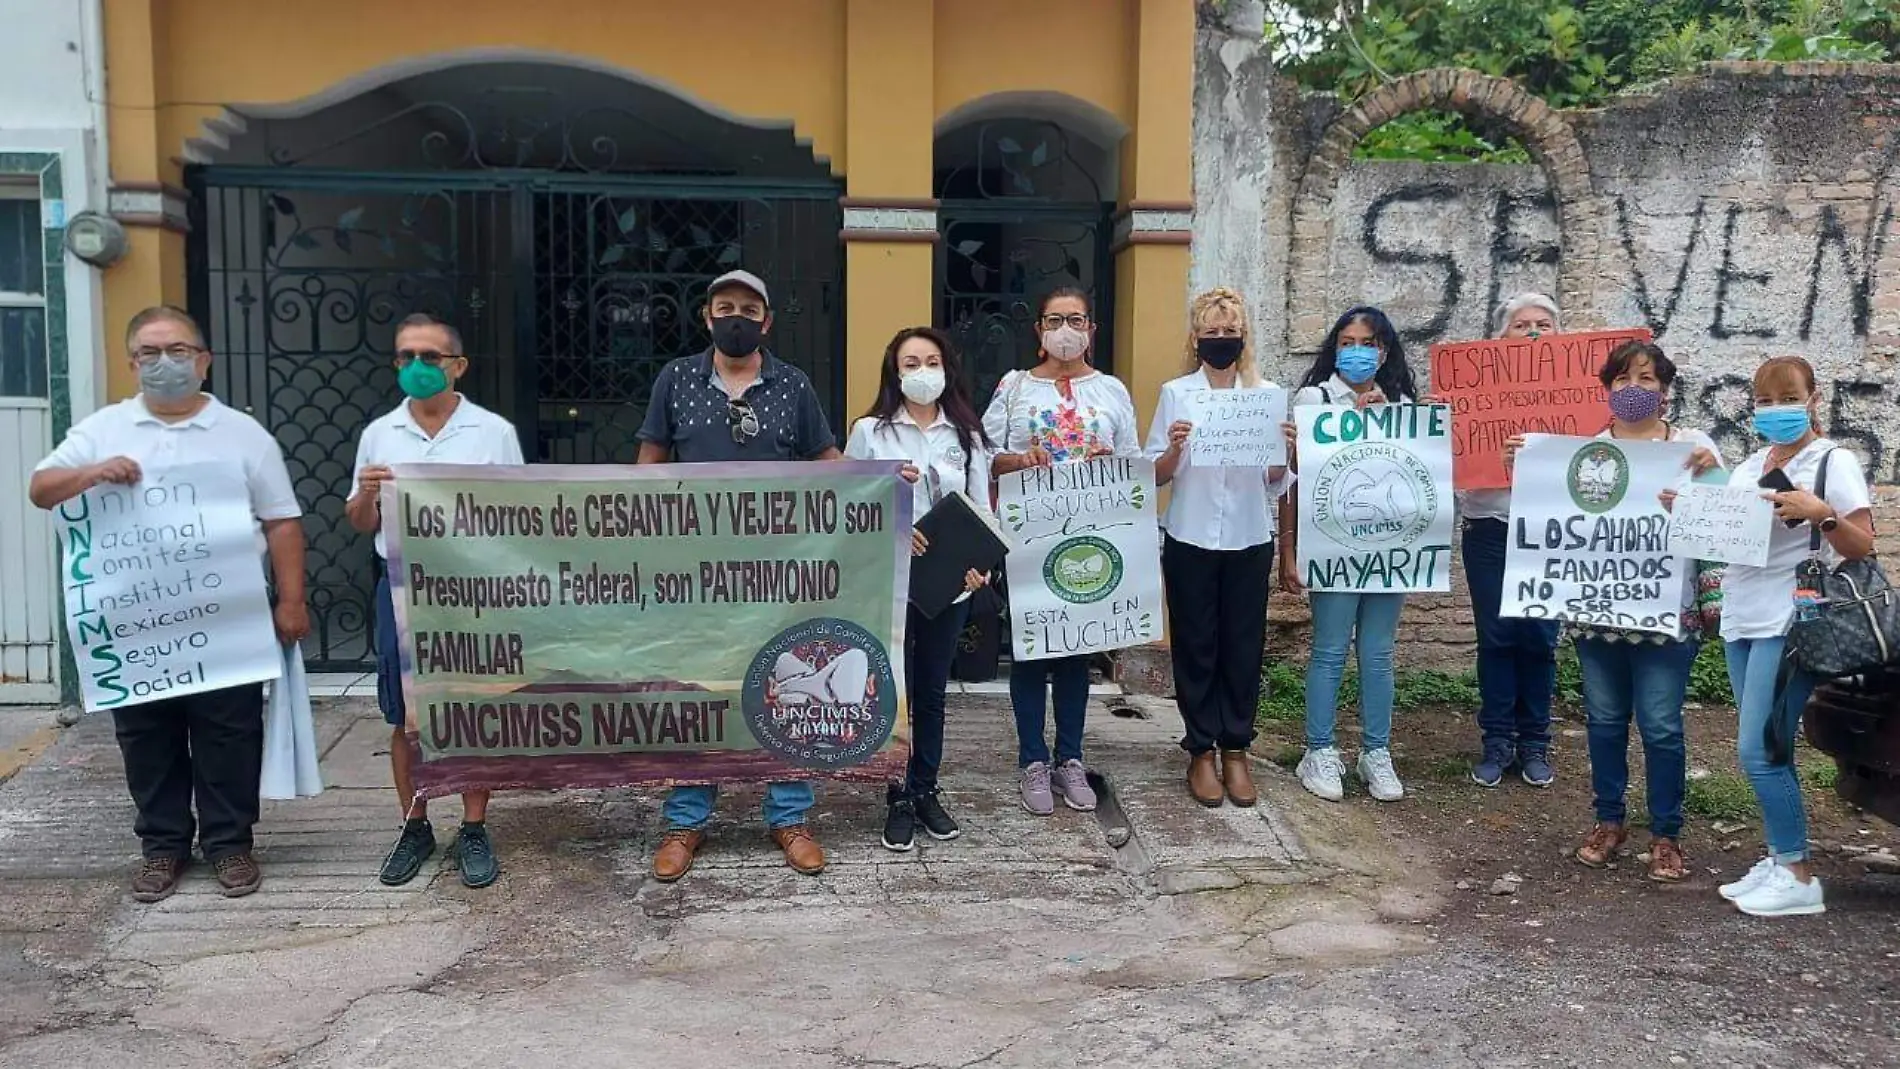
<point x="1293" y="935"/>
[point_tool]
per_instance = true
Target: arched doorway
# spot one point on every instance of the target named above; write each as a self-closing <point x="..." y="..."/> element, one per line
<point x="567" y="221"/>
<point x="1026" y="199"/>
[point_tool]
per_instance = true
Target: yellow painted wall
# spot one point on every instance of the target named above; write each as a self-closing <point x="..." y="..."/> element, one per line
<point x="864" y="81"/>
<point x="1076" y="47"/>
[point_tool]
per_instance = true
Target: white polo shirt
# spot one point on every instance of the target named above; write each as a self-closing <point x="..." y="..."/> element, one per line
<point x="473" y="435"/>
<point x="215" y="434"/>
<point x="936" y="451"/>
<point x="1223" y="508"/>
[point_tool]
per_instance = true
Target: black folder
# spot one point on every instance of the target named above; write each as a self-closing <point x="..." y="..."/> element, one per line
<point x="961" y="537"/>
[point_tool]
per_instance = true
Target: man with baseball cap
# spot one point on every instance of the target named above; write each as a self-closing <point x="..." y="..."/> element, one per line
<point x="733" y="402"/>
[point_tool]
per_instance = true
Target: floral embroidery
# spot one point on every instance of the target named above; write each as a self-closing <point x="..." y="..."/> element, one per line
<point x="1067" y="432"/>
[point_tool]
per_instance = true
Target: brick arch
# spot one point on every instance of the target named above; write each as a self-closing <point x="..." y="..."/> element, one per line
<point x="1542" y="130"/>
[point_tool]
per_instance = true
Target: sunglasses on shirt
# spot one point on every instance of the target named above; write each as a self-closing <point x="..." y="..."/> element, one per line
<point x="741" y="420"/>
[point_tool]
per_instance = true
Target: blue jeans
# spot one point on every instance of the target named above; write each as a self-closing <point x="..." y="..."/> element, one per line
<point x="929" y="648"/>
<point x="691" y="807"/>
<point x="1752" y="666"/>
<point x="1647" y="683"/>
<point x="1517" y="659"/>
<point x="1069" y="678"/>
<point x="1337" y="615"/>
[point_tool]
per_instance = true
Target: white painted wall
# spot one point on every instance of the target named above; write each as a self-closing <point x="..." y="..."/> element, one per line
<point x="50" y="85"/>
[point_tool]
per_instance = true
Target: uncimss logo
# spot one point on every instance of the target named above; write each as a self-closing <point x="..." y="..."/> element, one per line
<point x="821" y="695"/>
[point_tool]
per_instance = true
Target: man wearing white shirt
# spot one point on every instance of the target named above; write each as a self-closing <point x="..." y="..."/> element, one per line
<point x="434" y="425"/>
<point x="207" y="746"/>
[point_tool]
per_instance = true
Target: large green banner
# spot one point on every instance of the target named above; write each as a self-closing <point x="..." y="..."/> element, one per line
<point x="673" y="623"/>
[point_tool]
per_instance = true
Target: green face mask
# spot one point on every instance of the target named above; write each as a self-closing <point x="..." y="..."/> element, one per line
<point x="421" y="381"/>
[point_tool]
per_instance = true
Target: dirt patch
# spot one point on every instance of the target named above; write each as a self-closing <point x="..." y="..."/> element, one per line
<point x="1678" y="950"/>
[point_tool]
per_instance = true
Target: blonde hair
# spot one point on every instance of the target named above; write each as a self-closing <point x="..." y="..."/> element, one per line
<point x="1221" y="300"/>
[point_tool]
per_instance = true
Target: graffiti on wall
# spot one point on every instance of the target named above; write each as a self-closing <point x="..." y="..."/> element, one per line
<point x="1721" y="282"/>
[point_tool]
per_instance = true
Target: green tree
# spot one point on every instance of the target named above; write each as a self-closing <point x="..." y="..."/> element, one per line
<point x="1573" y="53"/>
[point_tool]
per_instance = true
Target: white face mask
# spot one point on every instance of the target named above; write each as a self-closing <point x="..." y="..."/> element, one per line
<point x="922" y="385"/>
<point x="1065" y="343"/>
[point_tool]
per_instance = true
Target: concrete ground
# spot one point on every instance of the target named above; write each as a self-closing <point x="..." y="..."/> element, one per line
<point x="1295" y="934"/>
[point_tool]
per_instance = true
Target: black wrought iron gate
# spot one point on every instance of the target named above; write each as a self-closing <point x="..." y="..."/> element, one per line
<point x="571" y="292"/>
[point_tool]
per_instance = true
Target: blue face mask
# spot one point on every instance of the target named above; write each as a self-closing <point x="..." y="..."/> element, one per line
<point x="1781" y="424"/>
<point x="1356" y="363"/>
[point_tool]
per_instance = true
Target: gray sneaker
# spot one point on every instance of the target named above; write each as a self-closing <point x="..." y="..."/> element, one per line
<point x="1072" y="782"/>
<point x="1036" y="796"/>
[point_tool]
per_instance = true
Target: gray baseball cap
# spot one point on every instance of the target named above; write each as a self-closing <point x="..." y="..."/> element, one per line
<point x="741" y="278"/>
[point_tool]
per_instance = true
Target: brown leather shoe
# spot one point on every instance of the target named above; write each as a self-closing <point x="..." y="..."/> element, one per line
<point x="238" y="875"/>
<point x="1666" y="863"/>
<point x="802" y="852"/>
<point x="1204" y="780"/>
<point x="157" y="878"/>
<point x="1602" y="844"/>
<point x="675" y="856"/>
<point x="1237" y="776"/>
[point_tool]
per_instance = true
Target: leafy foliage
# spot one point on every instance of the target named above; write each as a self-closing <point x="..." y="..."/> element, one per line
<point x="1573" y="53"/>
<point x="1283" y="691"/>
<point x="1708" y="676"/>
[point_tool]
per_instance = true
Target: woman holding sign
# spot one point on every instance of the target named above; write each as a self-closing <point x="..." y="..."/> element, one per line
<point x="924" y="418"/>
<point x="1217" y="554"/>
<point x="1759" y="606"/>
<point x="1361" y="363"/>
<point x="1060" y="411"/>
<point x="1640" y="675"/>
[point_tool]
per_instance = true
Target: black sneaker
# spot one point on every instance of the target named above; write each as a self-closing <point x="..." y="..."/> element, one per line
<point x="900" y="824"/>
<point x="476" y="855"/>
<point x="935" y="821"/>
<point x="412" y="849"/>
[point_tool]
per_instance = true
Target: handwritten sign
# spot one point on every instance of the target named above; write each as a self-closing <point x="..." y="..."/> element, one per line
<point x="1375" y="497"/>
<point x="1085" y="573"/>
<point x="1499" y="388"/>
<point x="1240" y="428"/>
<point x="1589" y="537"/>
<point x="575" y="626"/>
<point x="1727" y="524"/>
<point x="164" y="588"/>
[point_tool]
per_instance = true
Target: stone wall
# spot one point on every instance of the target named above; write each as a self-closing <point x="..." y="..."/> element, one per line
<point x="1747" y="211"/>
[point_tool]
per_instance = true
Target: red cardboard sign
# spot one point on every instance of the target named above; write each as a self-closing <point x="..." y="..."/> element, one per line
<point x="1501" y="387"/>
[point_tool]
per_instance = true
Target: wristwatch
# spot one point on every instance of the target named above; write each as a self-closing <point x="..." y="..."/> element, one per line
<point x="1830" y="523"/>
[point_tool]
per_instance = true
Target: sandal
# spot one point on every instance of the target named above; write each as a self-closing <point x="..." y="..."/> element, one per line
<point x="1601" y="847"/>
<point x="1666" y="863"/>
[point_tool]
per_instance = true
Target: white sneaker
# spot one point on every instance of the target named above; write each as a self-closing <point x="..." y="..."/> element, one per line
<point x="1320" y="771"/>
<point x="1781" y="895"/>
<point x="1749" y="881"/>
<point x="1375" y="771"/>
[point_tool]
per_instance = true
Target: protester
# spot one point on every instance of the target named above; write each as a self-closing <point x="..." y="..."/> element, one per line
<point x="1061" y="411"/>
<point x="1361" y="362"/>
<point x="207" y="746"/>
<point x="1640" y="675"/>
<point x="1758" y="607"/>
<point x="1517" y="659"/>
<point x="735" y="402"/>
<point x="924" y="418"/>
<point x="435" y="424"/>
<point x="1217" y="558"/>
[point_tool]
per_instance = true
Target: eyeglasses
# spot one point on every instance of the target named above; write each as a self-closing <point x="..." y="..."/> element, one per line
<point x="147" y="355"/>
<point x="405" y="357"/>
<point x="1078" y="321"/>
<point x="741" y="420"/>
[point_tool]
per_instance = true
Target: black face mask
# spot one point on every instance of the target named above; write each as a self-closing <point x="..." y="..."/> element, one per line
<point x="737" y="336"/>
<point x="1219" y="353"/>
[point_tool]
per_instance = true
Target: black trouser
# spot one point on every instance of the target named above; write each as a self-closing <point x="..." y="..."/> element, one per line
<point x="930" y="646"/>
<point x="210" y="745"/>
<point x="1217" y="627"/>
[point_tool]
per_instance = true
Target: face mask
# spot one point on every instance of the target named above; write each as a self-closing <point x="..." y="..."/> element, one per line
<point x="1781" y="424"/>
<point x="1219" y="353"/>
<point x="421" y="381"/>
<point x="1065" y="343"/>
<point x="923" y="385"/>
<point x="168" y="379"/>
<point x="737" y="336"/>
<point x="1356" y="363"/>
<point x="1634" y="404"/>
